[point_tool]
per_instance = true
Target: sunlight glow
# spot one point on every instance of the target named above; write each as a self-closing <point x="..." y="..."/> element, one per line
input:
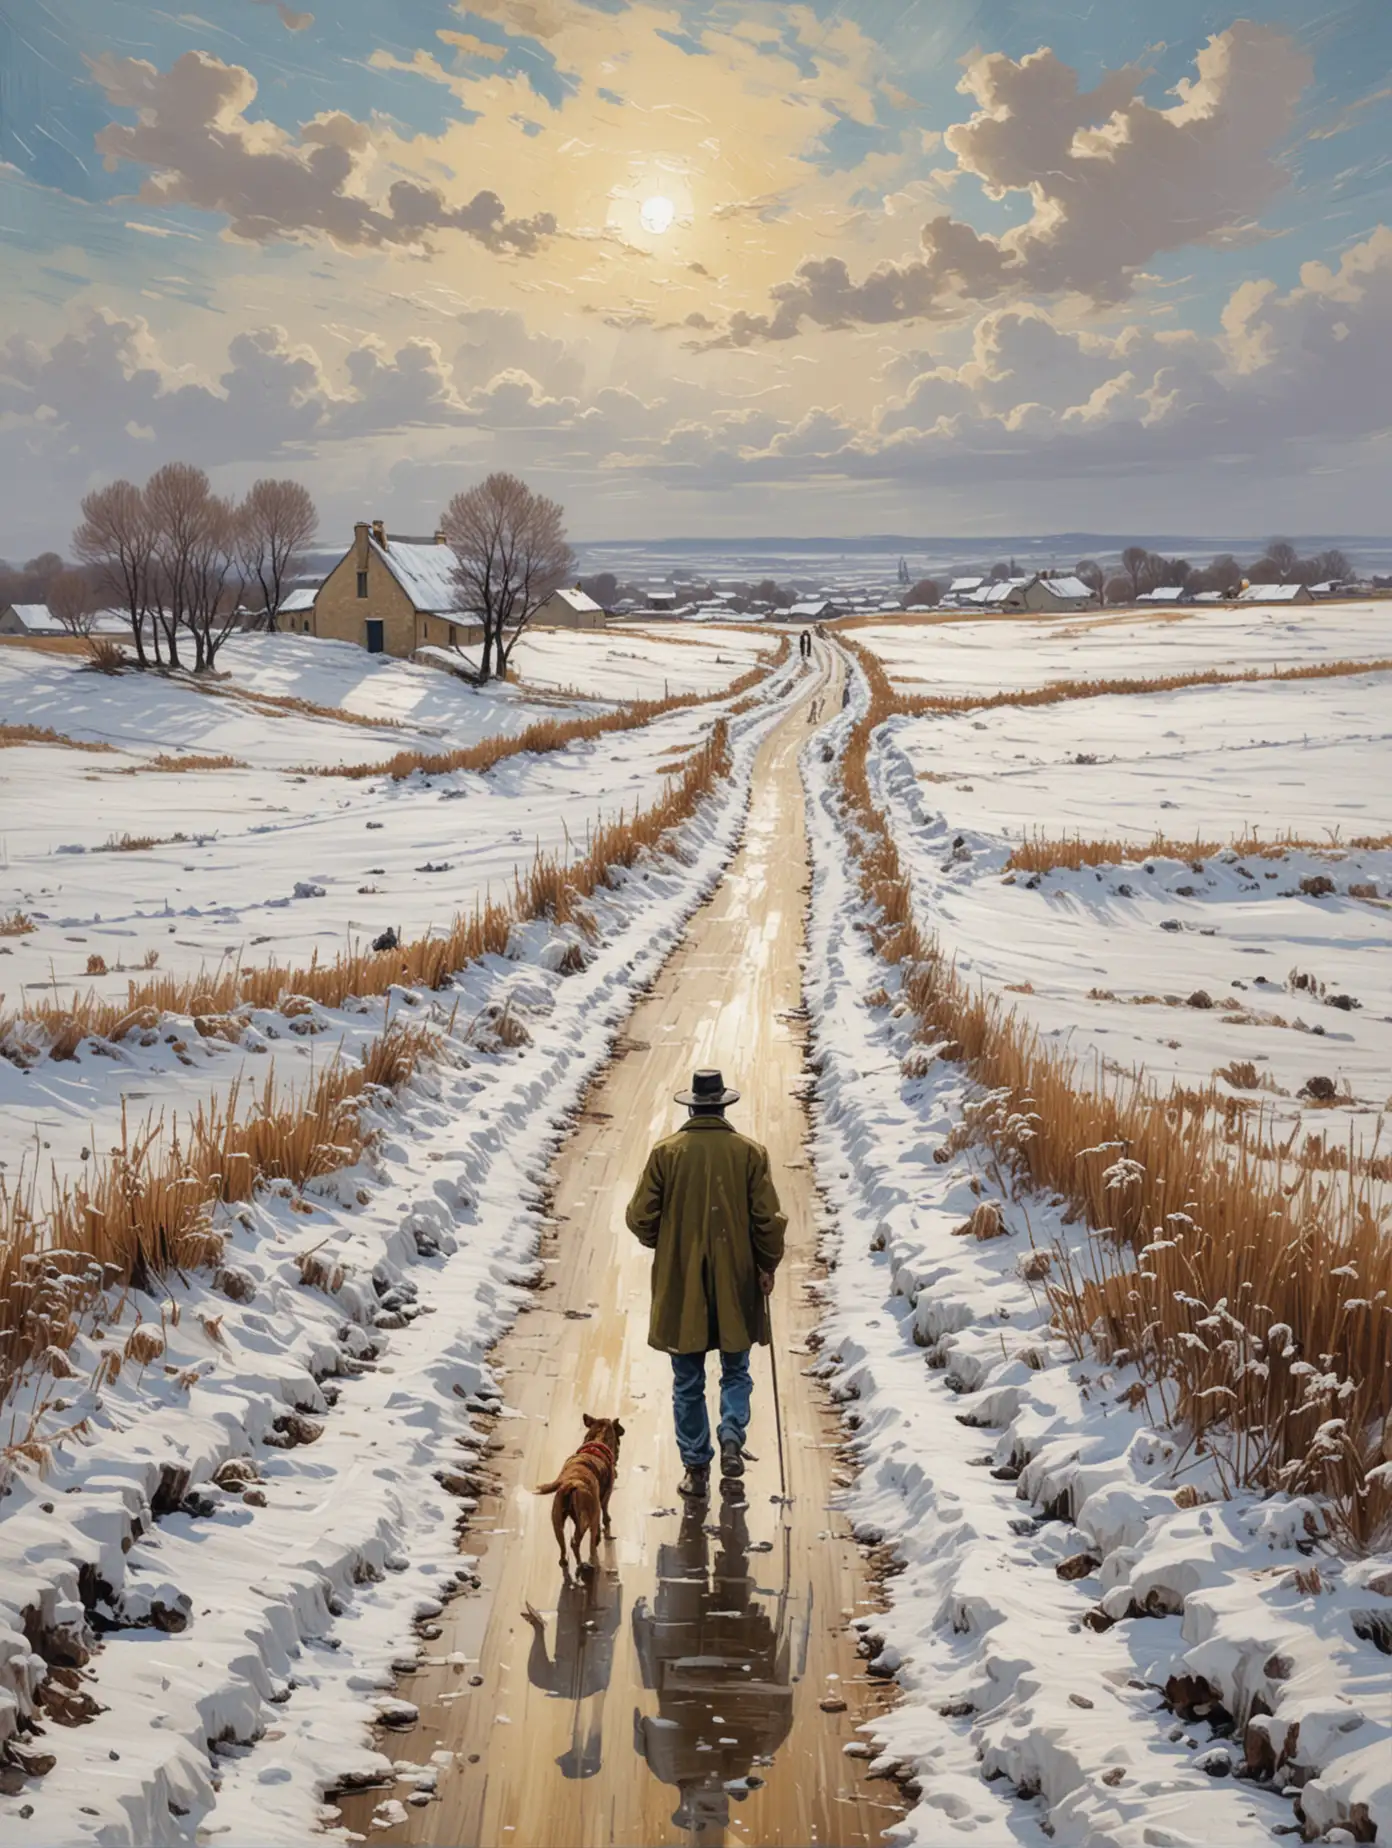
<point x="657" y="214"/>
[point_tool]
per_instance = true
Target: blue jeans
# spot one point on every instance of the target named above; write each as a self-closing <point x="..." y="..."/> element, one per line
<point x="689" y="1404"/>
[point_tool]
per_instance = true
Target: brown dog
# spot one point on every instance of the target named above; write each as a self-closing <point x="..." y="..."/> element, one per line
<point x="583" y="1488"/>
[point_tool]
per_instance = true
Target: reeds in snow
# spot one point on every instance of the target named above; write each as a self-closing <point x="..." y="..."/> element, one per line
<point x="44" y="734"/>
<point x="1253" y="1294"/>
<point x="148" y="1208"/>
<point x="1040" y="854"/>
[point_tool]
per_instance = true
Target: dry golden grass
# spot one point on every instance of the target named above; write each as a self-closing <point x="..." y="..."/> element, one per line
<point x="44" y="734"/>
<point x="1253" y="1295"/>
<point x="105" y="656"/>
<point x="192" y="760"/>
<point x="17" y="924"/>
<point x="552" y="734"/>
<point x="148" y="1208"/>
<point x="1040" y="854"/>
<point x="46" y="644"/>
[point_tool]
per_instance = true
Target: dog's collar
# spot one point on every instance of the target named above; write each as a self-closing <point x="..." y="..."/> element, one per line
<point x="595" y="1448"/>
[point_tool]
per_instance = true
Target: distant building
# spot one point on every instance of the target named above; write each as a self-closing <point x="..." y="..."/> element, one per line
<point x="1008" y="594"/>
<point x="662" y="599"/>
<point x="815" y="609"/>
<point x="1276" y="593"/>
<point x="569" y="609"/>
<point x="960" y="589"/>
<point x="1164" y="593"/>
<point x="29" y="619"/>
<point x="1058" y="593"/>
<point x="392" y="596"/>
<point x="296" y="613"/>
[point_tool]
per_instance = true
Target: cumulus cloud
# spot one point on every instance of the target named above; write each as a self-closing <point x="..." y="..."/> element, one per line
<point x="291" y="20"/>
<point x="1291" y="379"/>
<point x="193" y="134"/>
<point x="1113" y="182"/>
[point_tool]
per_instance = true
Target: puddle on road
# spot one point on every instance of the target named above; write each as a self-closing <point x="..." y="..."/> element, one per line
<point x="719" y="1651"/>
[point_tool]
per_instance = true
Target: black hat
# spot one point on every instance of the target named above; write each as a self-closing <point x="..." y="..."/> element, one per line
<point x="707" y="1087"/>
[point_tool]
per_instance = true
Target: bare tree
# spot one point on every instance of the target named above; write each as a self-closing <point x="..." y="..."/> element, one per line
<point x="195" y="582"/>
<point x="1119" y="589"/>
<point x="117" y="539"/>
<point x="73" y="601"/>
<point x="1090" y="572"/>
<point x="604" y="589"/>
<point x="1225" y="575"/>
<point x="1134" y="561"/>
<point x="1284" y="557"/>
<point x="215" y="580"/>
<point x="1332" y="567"/>
<point x="511" y="554"/>
<point x="926" y="590"/>
<point x="278" y="521"/>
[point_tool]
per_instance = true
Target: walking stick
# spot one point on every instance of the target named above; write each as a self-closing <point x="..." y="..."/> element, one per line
<point x="777" y="1411"/>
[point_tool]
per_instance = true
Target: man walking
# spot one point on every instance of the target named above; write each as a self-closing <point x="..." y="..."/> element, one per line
<point x="706" y="1207"/>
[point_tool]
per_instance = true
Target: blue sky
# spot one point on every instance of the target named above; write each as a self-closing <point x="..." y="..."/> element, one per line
<point x="903" y="277"/>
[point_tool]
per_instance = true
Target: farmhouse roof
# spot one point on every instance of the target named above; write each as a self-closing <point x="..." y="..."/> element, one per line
<point x="576" y="600"/>
<point x="1271" y="593"/>
<point x="1066" y="587"/>
<point x="1162" y="593"/>
<point x="296" y="600"/>
<point x="36" y="618"/>
<point x="960" y="586"/>
<point x="425" y="573"/>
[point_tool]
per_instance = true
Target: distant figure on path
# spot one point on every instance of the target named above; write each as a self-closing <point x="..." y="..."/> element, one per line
<point x="805" y="644"/>
<point x="706" y="1207"/>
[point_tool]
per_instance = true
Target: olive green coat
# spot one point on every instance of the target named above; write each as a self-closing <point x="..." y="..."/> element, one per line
<point x="707" y="1209"/>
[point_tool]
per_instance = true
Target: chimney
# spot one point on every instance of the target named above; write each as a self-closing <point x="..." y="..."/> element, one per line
<point x="360" y="545"/>
<point x="439" y="537"/>
<point x="379" y="533"/>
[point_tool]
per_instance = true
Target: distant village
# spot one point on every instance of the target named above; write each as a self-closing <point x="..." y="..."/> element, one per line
<point x="397" y="594"/>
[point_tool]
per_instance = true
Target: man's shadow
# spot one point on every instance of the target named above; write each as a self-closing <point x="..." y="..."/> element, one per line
<point x="717" y="1652"/>
<point x="579" y="1668"/>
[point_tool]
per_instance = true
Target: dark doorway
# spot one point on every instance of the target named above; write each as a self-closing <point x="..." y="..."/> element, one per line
<point x="375" y="642"/>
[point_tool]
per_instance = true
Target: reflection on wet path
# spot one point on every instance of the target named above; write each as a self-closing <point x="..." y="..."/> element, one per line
<point x="715" y="1648"/>
<point x="587" y="1622"/>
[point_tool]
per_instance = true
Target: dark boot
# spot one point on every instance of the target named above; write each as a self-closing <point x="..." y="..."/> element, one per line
<point x="731" y="1458"/>
<point x="695" y="1484"/>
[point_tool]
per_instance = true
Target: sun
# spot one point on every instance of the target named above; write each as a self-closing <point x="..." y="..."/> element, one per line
<point x="656" y="214"/>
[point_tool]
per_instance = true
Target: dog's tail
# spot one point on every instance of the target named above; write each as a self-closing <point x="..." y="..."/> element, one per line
<point x="547" y="1488"/>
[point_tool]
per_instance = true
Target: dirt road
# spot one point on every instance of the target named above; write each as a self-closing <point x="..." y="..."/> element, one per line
<point x="678" y="1697"/>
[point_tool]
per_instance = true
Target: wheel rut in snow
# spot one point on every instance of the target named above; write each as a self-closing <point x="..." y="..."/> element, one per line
<point x="692" y="1690"/>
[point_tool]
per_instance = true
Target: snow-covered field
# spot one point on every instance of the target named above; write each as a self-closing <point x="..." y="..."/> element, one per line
<point x="1090" y="1641"/>
<point x="637" y="662"/>
<point x="265" y="1599"/>
<point x="268" y="862"/>
<point x="1177" y="965"/>
<point x="1021" y="653"/>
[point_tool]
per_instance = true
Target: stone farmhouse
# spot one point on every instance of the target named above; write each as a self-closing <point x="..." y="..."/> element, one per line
<point x="392" y="595"/>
